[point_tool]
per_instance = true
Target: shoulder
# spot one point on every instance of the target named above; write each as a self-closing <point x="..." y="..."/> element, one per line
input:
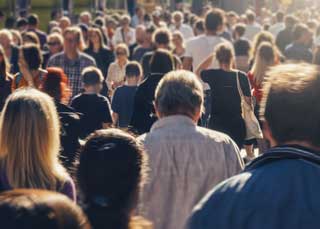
<point x="57" y="56"/>
<point x="214" y="136"/>
<point x="194" y="41"/>
<point x="76" y="98"/>
<point x="86" y="57"/>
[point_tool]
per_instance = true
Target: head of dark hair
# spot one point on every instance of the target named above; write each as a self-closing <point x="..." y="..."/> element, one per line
<point x="299" y="30"/>
<point x="288" y="105"/>
<point x="9" y="22"/>
<point x="110" y="174"/>
<point x="33" y="19"/>
<point x="40" y="209"/>
<point x="214" y="20"/>
<point x="150" y="29"/>
<point x="161" y="62"/>
<point x="99" y="21"/>
<point x="91" y="76"/>
<point x="199" y="25"/>
<point x="21" y="22"/>
<point x="279" y="16"/>
<point x="224" y="53"/>
<point x="32" y="56"/>
<point x="133" y="69"/>
<point x="162" y="37"/>
<point x="240" y="29"/>
<point x="290" y="21"/>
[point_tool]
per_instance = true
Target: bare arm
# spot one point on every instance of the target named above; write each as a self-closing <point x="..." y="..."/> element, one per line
<point x="205" y="64"/>
<point x="115" y="118"/>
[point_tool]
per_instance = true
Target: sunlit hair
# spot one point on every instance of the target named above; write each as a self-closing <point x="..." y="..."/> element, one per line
<point x="29" y="141"/>
<point x="265" y="58"/>
<point x="4" y="66"/>
<point x="7" y="33"/>
<point x="31" y="208"/>
<point x="180" y="36"/>
<point x="98" y="32"/>
<point x="224" y="53"/>
<point x="17" y="35"/>
<point x="77" y="32"/>
<point x="56" y="36"/>
<point x="263" y="36"/>
<point x="122" y="46"/>
<point x="30" y="37"/>
<point x="55" y="84"/>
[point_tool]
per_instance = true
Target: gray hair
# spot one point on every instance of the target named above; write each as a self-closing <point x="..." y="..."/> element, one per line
<point x="179" y="93"/>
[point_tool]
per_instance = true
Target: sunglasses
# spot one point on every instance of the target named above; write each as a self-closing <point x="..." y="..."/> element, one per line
<point x="121" y="53"/>
<point x="53" y="43"/>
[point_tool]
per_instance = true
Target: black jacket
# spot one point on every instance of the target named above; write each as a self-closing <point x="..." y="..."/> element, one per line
<point x="143" y="111"/>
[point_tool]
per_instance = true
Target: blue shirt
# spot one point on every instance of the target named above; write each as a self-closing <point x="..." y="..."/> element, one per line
<point x="279" y="190"/>
<point x="298" y="52"/>
<point x="122" y="104"/>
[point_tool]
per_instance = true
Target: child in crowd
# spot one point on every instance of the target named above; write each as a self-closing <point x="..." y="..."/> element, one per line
<point x="94" y="107"/>
<point x="123" y="98"/>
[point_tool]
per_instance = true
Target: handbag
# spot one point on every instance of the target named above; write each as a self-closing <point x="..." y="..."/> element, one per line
<point x="253" y="129"/>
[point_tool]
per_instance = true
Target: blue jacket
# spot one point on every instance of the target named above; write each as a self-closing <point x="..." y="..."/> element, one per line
<point x="279" y="190"/>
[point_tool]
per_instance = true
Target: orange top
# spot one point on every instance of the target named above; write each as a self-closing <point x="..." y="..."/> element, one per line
<point x="19" y="81"/>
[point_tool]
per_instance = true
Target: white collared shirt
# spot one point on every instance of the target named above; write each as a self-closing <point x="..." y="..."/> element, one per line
<point x="186" y="161"/>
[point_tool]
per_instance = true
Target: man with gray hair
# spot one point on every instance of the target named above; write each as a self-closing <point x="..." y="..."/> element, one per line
<point x="186" y="160"/>
<point x="178" y="25"/>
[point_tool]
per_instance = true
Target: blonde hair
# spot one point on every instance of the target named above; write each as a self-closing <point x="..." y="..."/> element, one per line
<point x="77" y="32"/>
<point x="29" y="142"/>
<point x="57" y="36"/>
<point x="124" y="47"/>
<point x="7" y="33"/>
<point x="265" y="58"/>
<point x="263" y="36"/>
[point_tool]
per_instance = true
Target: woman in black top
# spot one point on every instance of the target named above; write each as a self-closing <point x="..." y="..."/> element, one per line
<point x="226" y="102"/>
<point x="102" y="54"/>
<point x="143" y="115"/>
<point x="5" y="78"/>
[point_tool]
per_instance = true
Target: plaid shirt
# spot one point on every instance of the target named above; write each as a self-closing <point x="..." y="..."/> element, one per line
<point x="72" y="68"/>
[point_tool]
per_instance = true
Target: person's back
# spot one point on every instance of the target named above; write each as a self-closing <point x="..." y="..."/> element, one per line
<point x="143" y="115"/>
<point x="298" y="50"/>
<point x="186" y="160"/>
<point x="123" y="98"/>
<point x="286" y="176"/>
<point x="94" y="107"/>
<point x="252" y="28"/>
<point x="285" y="36"/>
<point x="200" y="47"/>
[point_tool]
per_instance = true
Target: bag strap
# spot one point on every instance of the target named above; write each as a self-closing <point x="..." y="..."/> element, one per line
<point x="239" y="86"/>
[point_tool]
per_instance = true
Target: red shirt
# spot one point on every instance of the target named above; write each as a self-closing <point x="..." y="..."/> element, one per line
<point x="256" y="90"/>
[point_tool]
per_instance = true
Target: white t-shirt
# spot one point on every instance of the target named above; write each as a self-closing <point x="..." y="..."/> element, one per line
<point x="200" y="47"/>
<point x="252" y="31"/>
<point x="186" y="31"/>
<point x="276" y="28"/>
<point x="129" y="37"/>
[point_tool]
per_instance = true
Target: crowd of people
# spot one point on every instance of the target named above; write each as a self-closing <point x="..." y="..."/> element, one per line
<point x="139" y="123"/>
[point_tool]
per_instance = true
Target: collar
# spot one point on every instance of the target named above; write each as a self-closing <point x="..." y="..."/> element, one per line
<point x="172" y="121"/>
<point x="285" y="152"/>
